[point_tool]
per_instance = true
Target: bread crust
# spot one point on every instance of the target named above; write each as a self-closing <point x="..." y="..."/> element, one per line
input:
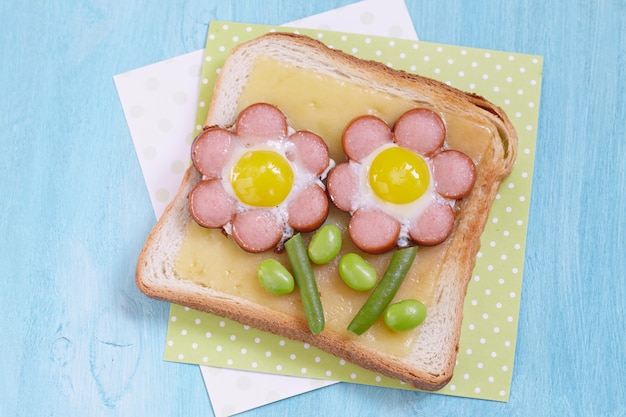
<point x="156" y="274"/>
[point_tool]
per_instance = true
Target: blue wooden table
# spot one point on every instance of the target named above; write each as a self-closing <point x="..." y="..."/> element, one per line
<point x="75" y="212"/>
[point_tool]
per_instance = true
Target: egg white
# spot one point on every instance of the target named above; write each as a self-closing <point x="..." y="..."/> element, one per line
<point x="404" y="213"/>
<point x="301" y="179"/>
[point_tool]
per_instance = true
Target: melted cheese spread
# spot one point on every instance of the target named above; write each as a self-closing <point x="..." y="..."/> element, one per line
<point x="325" y="106"/>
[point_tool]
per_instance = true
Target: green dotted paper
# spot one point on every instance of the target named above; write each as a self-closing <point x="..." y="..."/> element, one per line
<point x="488" y="337"/>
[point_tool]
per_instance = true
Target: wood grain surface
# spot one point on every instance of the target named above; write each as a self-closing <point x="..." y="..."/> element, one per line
<point x="78" y="338"/>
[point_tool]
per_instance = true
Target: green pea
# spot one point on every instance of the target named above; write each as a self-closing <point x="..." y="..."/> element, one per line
<point x="405" y="315"/>
<point x="356" y="272"/>
<point x="274" y="277"/>
<point x="325" y="244"/>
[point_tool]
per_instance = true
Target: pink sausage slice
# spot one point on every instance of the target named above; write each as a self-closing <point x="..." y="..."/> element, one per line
<point x="341" y="185"/>
<point x="454" y="174"/>
<point x="420" y="130"/>
<point x="373" y="231"/>
<point x="433" y="226"/>
<point x="365" y="134"/>
<point x="310" y="151"/>
<point x="259" y="122"/>
<point x="308" y="210"/>
<point x="210" y="205"/>
<point x="257" y="230"/>
<point x="210" y="151"/>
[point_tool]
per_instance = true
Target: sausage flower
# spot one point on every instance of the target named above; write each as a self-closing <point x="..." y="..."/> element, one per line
<point x="261" y="181"/>
<point x="399" y="185"/>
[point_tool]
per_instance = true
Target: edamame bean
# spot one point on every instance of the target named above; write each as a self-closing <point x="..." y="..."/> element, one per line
<point x="305" y="278"/>
<point x="274" y="277"/>
<point x="356" y="272"/>
<point x="405" y="315"/>
<point x="387" y="287"/>
<point x="325" y="244"/>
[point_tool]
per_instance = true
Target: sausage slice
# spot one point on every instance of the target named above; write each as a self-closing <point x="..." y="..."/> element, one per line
<point x="259" y="122"/>
<point x="433" y="226"/>
<point x="365" y="134"/>
<point x="455" y="174"/>
<point x="310" y="151"/>
<point x="420" y="130"/>
<point x="210" y="205"/>
<point x="342" y="183"/>
<point x="256" y="230"/>
<point x="308" y="209"/>
<point x="211" y="150"/>
<point x="373" y="231"/>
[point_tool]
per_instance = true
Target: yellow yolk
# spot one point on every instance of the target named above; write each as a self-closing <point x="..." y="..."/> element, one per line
<point x="262" y="178"/>
<point x="399" y="176"/>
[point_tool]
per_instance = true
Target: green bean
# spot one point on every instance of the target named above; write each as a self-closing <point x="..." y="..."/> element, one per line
<point x="275" y="277"/>
<point x="384" y="292"/>
<point x="405" y="315"/>
<point x="305" y="279"/>
<point x="325" y="244"/>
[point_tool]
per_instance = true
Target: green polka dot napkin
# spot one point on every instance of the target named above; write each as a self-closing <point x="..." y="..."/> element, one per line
<point x="487" y="346"/>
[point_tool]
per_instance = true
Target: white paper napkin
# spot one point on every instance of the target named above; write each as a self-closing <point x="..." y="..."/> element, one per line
<point x="160" y="101"/>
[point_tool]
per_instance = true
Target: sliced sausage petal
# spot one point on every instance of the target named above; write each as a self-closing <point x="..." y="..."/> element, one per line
<point x="257" y="230"/>
<point x="420" y="130"/>
<point x="310" y="151"/>
<point x="342" y="185"/>
<point x="433" y="226"/>
<point x="454" y="173"/>
<point x="365" y="134"/>
<point x="260" y="122"/>
<point x="373" y="231"/>
<point x="210" y="205"/>
<point x="211" y="150"/>
<point x="308" y="209"/>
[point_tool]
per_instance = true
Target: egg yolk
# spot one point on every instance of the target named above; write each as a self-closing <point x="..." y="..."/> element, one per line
<point x="398" y="175"/>
<point x="262" y="178"/>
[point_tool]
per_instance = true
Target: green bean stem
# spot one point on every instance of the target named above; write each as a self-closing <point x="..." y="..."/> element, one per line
<point x="305" y="279"/>
<point x="384" y="292"/>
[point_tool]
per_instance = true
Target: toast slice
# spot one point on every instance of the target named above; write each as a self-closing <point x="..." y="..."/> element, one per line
<point x="204" y="269"/>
